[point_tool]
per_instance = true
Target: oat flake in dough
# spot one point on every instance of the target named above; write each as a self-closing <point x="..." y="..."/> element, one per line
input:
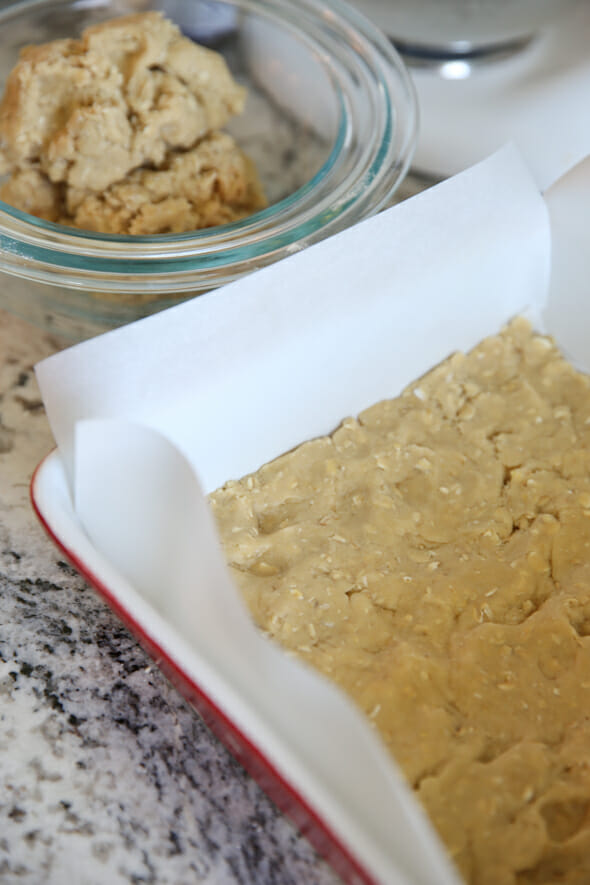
<point x="432" y="557"/>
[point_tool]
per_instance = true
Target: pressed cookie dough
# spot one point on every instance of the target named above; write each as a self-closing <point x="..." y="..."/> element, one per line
<point x="432" y="557"/>
<point x="130" y="112"/>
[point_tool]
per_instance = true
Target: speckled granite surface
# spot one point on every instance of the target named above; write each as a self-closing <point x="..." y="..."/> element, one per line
<point x="106" y="775"/>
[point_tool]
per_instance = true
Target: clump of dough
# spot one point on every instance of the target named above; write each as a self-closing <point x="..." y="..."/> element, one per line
<point x="213" y="183"/>
<point x="210" y="184"/>
<point x="86" y="124"/>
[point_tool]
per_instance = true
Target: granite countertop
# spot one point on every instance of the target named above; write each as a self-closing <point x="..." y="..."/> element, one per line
<point x="106" y="774"/>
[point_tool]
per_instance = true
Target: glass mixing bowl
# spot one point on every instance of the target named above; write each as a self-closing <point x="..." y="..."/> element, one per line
<point x="330" y="121"/>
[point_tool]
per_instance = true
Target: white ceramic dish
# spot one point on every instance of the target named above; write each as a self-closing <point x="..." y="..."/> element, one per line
<point x="134" y="432"/>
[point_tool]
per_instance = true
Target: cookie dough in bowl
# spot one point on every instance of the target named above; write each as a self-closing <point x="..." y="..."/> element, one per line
<point x="118" y="132"/>
<point x="211" y="184"/>
<point x="153" y="188"/>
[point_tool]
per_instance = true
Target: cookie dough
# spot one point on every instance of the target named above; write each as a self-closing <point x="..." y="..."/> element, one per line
<point x="87" y="123"/>
<point x="432" y="557"/>
<point x="213" y="183"/>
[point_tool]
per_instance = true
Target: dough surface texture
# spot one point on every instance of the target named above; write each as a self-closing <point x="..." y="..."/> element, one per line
<point x="432" y="558"/>
<point x="87" y="123"/>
